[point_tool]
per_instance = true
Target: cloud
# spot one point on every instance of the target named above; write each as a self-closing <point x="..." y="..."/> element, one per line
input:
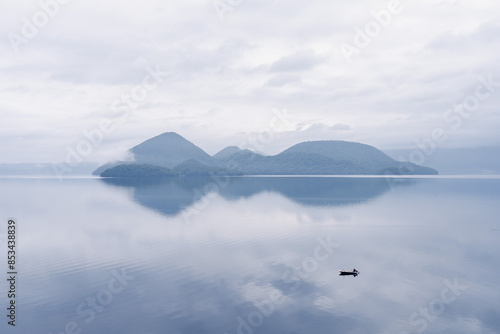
<point x="264" y="55"/>
<point x="321" y="127"/>
<point x="281" y="80"/>
<point x="301" y="61"/>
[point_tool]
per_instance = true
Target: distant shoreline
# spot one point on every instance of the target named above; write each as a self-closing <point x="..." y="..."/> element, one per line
<point x="450" y="176"/>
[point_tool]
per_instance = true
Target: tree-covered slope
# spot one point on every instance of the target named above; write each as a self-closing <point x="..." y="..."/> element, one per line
<point x="137" y="170"/>
<point x="168" y="150"/>
<point x="309" y="158"/>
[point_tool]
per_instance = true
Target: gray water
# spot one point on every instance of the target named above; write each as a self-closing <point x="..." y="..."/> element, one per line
<point x="253" y="255"/>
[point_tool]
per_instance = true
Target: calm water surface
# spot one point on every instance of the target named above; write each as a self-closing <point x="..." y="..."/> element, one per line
<point x="254" y="255"/>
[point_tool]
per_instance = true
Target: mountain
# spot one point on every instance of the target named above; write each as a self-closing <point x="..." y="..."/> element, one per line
<point x="364" y="156"/>
<point x="353" y="158"/>
<point x="99" y="170"/>
<point x="323" y="158"/>
<point x="226" y="152"/>
<point x="136" y="170"/>
<point x="193" y="167"/>
<point x="240" y="159"/>
<point x="168" y="150"/>
<point x="332" y="157"/>
<point x="189" y="167"/>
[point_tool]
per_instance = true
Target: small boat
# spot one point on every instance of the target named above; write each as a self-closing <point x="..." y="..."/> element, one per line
<point x="354" y="273"/>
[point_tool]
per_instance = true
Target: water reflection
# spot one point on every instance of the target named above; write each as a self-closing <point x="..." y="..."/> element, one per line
<point x="170" y="196"/>
<point x="253" y="245"/>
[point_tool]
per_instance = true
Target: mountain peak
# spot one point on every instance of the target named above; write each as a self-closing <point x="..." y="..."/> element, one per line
<point x="168" y="136"/>
<point x="226" y="152"/>
<point x="167" y="150"/>
<point x="327" y="157"/>
<point x="343" y="150"/>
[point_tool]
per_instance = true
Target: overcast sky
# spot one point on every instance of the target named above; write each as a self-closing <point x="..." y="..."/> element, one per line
<point x="226" y="70"/>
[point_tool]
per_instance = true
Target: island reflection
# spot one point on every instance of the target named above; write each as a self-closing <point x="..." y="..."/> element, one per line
<point x="170" y="196"/>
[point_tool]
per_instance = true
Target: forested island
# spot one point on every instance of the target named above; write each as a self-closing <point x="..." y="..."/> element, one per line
<point x="170" y="154"/>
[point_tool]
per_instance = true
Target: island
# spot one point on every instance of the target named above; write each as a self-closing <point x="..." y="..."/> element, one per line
<point x="170" y="154"/>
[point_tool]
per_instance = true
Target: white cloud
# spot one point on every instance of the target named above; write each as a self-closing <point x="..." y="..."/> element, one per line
<point x="226" y="76"/>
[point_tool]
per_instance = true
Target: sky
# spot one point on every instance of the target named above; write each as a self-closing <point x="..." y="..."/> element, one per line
<point x="99" y="77"/>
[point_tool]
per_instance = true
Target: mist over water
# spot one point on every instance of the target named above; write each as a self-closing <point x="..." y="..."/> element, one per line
<point x="255" y="255"/>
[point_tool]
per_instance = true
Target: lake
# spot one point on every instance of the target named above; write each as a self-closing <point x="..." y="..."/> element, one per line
<point x="253" y="255"/>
